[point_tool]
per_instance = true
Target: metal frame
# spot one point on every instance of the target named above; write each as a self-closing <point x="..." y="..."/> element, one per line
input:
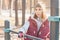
<point x="54" y="26"/>
<point x="7" y="35"/>
<point x="7" y="32"/>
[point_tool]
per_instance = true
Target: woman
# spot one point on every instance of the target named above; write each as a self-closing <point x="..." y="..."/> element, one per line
<point x="37" y="26"/>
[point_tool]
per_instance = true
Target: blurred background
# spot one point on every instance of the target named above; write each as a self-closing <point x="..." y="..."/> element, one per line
<point x="9" y="9"/>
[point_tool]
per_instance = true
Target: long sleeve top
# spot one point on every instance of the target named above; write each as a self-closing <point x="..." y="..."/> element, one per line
<point x="25" y="27"/>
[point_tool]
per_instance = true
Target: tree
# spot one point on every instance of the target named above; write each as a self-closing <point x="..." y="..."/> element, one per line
<point x="16" y="13"/>
<point x="0" y="6"/>
<point x="23" y="11"/>
<point x="10" y="1"/>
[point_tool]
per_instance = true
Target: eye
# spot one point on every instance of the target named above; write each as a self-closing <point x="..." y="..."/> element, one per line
<point x="36" y="9"/>
<point x="39" y="9"/>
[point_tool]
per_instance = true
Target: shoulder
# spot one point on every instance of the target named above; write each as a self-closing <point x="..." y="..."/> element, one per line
<point x="46" y="20"/>
<point x="31" y="19"/>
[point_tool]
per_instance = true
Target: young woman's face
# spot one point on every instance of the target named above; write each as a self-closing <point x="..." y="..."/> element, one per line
<point x="38" y="11"/>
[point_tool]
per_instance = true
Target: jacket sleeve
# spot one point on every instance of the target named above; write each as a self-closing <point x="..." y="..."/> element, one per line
<point x="25" y="27"/>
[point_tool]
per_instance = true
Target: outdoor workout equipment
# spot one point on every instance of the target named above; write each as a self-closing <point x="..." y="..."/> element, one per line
<point x="7" y="32"/>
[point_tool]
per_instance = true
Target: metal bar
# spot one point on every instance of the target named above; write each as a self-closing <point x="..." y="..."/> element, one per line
<point x="14" y="32"/>
<point x="26" y="35"/>
<point x="7" y="35"/>
<point x="32" y="37"/>
<point x="54" y="29"/>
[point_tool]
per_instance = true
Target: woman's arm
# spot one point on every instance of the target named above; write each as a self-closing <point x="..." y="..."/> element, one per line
<point x="23" y="30"/>
<point x="25" y="27"/>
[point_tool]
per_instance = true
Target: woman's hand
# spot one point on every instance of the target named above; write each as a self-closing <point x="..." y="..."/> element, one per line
<point x="20" y="35"/>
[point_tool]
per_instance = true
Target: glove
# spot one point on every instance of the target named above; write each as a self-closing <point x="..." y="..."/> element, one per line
<point x="20" y="35"/>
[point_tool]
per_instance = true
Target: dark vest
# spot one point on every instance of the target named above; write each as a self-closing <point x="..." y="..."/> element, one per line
<point x="33" y="31"/>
